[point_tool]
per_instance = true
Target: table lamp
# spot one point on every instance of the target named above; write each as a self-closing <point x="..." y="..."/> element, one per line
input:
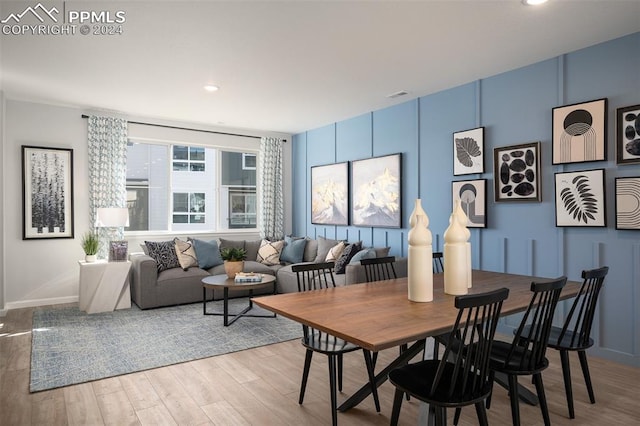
<point x="114" y="217"/>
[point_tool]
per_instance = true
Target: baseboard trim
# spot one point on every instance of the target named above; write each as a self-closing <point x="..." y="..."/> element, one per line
<point x="40" y="302"/>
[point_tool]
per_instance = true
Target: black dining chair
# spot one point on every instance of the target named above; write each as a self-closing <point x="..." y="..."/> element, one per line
<point x="525" y="355"/>
<point x="379" y="268"/>
<point x="575" y="334"/>
<point x="317" y="276"/>
<point x="462" y="376"/>
<point x="438" y="266"/>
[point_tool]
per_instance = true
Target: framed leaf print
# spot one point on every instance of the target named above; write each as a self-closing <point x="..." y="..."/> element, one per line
<point x="517" y="172"/>
<point x="473" y="199"/>
<point x="580" y="132"/>
<point x="468" y="152"/>
<point x="580" y="198"/>
<point x="330" y="194"/>
<point x="376" y="192"/>
<point x="47" y="193"/>
<point x="628" y="203"/>
<point x="628" y="147"/>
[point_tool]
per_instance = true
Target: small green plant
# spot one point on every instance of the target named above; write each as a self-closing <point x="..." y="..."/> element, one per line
<point x="233" y="254"/>
<point x="90" y="243"/>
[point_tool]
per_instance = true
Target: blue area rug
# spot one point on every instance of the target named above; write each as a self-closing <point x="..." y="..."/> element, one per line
<point x="70" y="346"/>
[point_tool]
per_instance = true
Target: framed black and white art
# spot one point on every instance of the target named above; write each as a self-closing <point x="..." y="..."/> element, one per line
<point x="468" y="152"/>
<point x="580" y="132"/>
<point x="47" y="193"/>
<point x="628" y="146"/>
<point x="580" y="199"/>
<point x="517" y="172"/>
<point x="628" y="203"/>
<point x="473" y="200"/>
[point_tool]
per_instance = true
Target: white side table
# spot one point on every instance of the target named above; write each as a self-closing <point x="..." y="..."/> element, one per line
<point x="104" y="286"/>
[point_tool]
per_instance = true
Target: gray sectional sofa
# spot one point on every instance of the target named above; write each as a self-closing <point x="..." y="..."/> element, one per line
<point x="151" y="288"/>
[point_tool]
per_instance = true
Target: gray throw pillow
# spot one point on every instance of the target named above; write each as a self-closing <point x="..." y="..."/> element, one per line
<point x="164" y="253"/>
<point x="367" y="253"/>
<point x="310" y="250"/>
<point x="252" y="248"/>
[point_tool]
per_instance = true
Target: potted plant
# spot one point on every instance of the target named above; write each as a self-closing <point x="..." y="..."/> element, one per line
<point x="90" y="245"/>
<point x="233" y="260"/>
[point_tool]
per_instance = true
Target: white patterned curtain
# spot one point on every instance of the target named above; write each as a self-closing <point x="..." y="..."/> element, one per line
<point x="107" y="172"/>
<point x="272" y="213"/>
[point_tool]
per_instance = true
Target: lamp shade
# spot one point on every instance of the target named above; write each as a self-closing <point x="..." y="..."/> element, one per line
<point x="112" y="217"/>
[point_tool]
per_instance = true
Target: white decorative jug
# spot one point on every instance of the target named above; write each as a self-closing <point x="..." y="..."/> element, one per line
<point x="420" y="276"/>
<point x="455" y="253"/>
<point x="417" y="209"/>
<point x="463" y="220"/>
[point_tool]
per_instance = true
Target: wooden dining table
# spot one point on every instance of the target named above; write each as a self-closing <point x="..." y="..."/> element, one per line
<point x="378" y="315"/>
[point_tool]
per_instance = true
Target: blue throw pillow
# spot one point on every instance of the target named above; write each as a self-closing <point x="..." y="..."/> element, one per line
<point x="293" y="251"/>
<point x="367" y="253"/>
<point x="208" y="253"/>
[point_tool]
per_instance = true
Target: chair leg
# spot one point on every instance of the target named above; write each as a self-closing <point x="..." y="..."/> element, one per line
<point x="582" y="355"/>
<point x="542" y="399"/>
<point x="456" y="417"/>
<point x="340" y="372"/>
<point x="482" y="414"/>
<point x="492" y="376"/>
<point x="332" y="387"/>
<point x="566" y="375"/>
<point x="513" y="396"/>
<point x="397" y="404"/>
<point x="372" y="378"/>
<point x="305" y="374"/>
<point x="441" y="416"/>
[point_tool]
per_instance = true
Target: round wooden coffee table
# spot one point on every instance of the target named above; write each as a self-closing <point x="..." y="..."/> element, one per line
<point x="229" y="285"/>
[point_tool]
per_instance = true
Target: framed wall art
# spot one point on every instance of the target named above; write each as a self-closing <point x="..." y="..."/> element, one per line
<point x="468" y="152"/>
<point x="580" y="199"/>
<point x="580" y="132"/>
<point x="628" y="146"/>
<point x="517" y="172"/>
<point x="376" y="192"/>
<point x="47" y="193"/>
<point x="330" y="194"/>
<point x="473" y="199"/>
<point x="628" y="203"/>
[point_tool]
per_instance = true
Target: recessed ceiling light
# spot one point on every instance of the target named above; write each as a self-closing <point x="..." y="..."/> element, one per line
<point x="211" y="88"/>
<point x="533" y="2"/>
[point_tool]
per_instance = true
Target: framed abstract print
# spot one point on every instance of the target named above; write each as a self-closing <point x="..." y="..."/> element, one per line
<point x="47" y="193"/>
<point x="468" y="152"/>
<point x="628" y="143"/>
<point x="473" y="199"/>
<point x="376" y="192"/>
<point x="580" y="199"/>
<point x="580" y="132"/>
<point x="330" y="194"/>
<point x="628" y="203"/>
<point x="517" y="172"/>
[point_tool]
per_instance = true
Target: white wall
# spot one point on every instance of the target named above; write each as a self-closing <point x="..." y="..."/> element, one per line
<point x="40" y="272"/>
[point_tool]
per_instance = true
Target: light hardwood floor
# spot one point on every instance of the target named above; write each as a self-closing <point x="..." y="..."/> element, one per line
<point x="260" y="387"/>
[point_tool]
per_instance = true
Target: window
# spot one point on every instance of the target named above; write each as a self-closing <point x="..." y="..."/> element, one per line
<point x="185" y="188"/>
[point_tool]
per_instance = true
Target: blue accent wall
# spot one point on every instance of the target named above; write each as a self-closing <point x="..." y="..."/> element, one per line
<point x="521" y="237"/>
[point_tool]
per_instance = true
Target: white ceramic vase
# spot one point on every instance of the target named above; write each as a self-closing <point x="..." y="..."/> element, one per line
<point x="418" y="210"/>
<point x="90" y="258"/>
<point x="420" y="272"/>
<point x="461" y="216"/>
<point x="455" y="253"/>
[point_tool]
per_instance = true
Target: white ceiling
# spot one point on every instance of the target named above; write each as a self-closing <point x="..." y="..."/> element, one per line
<point x="294" y="65"/>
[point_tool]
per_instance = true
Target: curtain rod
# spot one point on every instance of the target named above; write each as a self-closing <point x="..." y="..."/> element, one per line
<point x="187" y="128"/>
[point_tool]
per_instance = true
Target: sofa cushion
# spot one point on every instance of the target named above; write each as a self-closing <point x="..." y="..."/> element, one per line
<point x="293" y="250"/>
<point x="207" y="253"/>
<point x="224" y="243"/>
<point x="324" y="245"/>
<point x="382" y="251"/>
<point x="310" y="250"/>
<point x="346" y="256"/>
<point x="186" y="254"/>
<point x="269" y="252"/>
<point x="367" y="253"/>
<point x="335" y="252"/>
<point x="252" y="248"/>
<point x="164" y="253"/>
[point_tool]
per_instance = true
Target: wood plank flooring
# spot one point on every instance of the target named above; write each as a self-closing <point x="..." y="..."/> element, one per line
<point x="260" y="387"/>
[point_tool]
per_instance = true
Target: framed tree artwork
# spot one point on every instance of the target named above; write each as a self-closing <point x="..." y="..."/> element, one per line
<point x="330" y="194"/>
<point x="580" y="199"/>
<point x="628" y="146"/>
<point x="580" y="132"/>
<point x="376" y="192"/>
<point x="468" y="152"/>
<point x="47" y="193"/>
<point x="517" y="172"/>
<point x="473" y="200"/>
<point x="628" y="203"/>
